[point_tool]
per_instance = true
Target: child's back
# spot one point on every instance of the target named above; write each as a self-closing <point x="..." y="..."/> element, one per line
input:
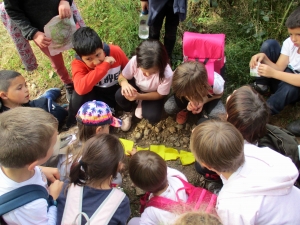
<point x="149" y="172"/>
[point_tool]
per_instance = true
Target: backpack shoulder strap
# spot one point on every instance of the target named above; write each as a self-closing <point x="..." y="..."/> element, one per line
<point x="109" y="206"/>
<point x="106" y="49"/>
<point x="162" y="203"/>
<point x="73" y="205"/>
<point x="21" y="196"/>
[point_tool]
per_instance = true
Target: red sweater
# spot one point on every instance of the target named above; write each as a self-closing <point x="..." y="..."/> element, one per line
<point x="104" y="75"/>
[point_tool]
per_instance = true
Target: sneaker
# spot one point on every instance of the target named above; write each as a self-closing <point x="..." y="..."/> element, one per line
<point x="261" y="88"/>
<point x="126" y="121"/>
<point x="181" y="117"/>
<point x="69" y="91"/>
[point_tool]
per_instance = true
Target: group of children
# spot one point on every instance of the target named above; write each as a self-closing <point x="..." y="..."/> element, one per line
<point x="258" y="183"/>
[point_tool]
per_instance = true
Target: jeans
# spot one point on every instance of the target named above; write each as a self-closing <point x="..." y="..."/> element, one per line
<point x="282" y="93"/>
<point x="172" y="21"/>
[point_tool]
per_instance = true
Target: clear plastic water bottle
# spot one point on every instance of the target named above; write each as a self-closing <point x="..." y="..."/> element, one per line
<point x="143" y="27"/>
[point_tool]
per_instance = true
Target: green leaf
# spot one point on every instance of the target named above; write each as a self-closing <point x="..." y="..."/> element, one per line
<point x="266" y="18"/>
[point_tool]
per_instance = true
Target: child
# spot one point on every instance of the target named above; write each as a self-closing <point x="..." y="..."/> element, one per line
<point x="279" y="67"/>
<point x="95" y="70"/>
<point x="27" y="138"/>
<point x="31" y="17"/>
<point x="149" y="172"/>
<point x="199" y="218"/>
<point x="147" y="79"/>
<point x="101" y="160"/>
<point x="173" y="11"/>
<point x="93" y="118"/>
<point x="248" y="112"/>
<point x="258" y="183"/>
<point x="192" y="92"/>
<point x="14" y="93"/>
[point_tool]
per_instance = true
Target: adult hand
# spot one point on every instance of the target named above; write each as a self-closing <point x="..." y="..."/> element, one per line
<point x="265" y="71"/>
<point x="52" y="174"/>
<point x="255" y="59"/>
<point x="144" y="5"/>
<point x="55" y="189"/>
<point x="41" y="40"/>
<point x="64" y="9"/>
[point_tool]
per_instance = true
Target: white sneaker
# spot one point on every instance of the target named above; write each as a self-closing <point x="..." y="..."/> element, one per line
<point x="126" y="121"/>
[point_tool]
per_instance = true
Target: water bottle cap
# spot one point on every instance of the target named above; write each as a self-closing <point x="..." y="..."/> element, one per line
<point x="145" y="12"/>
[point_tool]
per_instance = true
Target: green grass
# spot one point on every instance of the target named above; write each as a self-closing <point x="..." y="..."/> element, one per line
<point x="246" y="24"/>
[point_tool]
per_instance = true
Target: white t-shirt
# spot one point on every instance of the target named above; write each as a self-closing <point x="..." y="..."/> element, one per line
<point x="150" y="83"/>
<point x="218" y="87"/>
<point x="154" y="216"/>
<point x="289" y="49"/>
<point x="34" y="212"/>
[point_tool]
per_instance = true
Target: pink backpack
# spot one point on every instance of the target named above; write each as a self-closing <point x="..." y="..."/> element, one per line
<point x="205" y="48"/>
<point x="198" y="199"/>
<point x="73" y="207"/>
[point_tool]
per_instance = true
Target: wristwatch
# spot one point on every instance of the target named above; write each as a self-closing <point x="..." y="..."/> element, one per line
<point x="51" y="201"/>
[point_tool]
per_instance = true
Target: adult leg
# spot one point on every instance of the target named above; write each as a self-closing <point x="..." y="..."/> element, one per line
<point x="171" y="24"/>
<point x="22" y="45"/>
<point x="154" y="29"/>
<point x="152" y="110"/>
<point x="58" y="65"/>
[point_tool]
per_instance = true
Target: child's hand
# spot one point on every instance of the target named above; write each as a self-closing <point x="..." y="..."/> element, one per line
<point x="64" y="9"/>
<point x="255" y="59"/>
<point x="41" y="40"/>
<point x="265" y="70"/>
<point x="195" y="107"/>
<point x="132" y="97"/>
<point x="132" y="152"/>
<point x="111" y="60"/>
<point x="127" y="89"/>
<point x="52" y="174"/>
<point x="55" y="189"/>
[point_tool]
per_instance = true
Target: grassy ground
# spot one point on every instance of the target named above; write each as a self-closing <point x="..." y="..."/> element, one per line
<point x="246" y="24"/>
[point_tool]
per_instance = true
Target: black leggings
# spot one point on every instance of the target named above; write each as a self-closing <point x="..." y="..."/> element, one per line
<point x="106" y="95"/>
<point x="151" y="109"/>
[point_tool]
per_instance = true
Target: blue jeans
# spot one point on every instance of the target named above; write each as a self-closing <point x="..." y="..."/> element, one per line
<point x="282" y="93"/>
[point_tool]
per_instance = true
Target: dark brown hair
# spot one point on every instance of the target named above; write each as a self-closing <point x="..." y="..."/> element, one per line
<point x="25" y="135"/>
<point x="190" y="81"/>
<point x="6" y="77"/>
<point x="152" y="53"/>
<point x="293" y="21"/>
<point x="219" y="145"/>
<point x="148" y="171"/>
<point x="101" y="156"/>
<point x="248" y="112"/>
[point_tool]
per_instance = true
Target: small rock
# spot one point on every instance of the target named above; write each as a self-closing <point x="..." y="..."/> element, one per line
<point x="177" y="144"/>
<point x="157" y="129"/>
<point x="158" y="138"/>
<point x="139" y="191"/>
<point x="172" y="139"/>
<point x="159" y="125"/>
<point x="146" y="132"/>
<point x="172" y="129"/>
<point x="185" y="140"/>
<point x="149" y="125"/>
<point x="141" y="126"/>
<point x="187" y="126"/>
<point x="138" y="135"/>
<point x="33" y="86"/>
<point x="179" y="126"/>
<point x="153" y="139"/>
<point x="185" y="146"/>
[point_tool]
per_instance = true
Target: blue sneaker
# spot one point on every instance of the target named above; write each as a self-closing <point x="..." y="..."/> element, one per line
<point x="52" y="93"/>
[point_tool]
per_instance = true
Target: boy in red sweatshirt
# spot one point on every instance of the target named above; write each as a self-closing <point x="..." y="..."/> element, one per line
<point x="95" y="71"/>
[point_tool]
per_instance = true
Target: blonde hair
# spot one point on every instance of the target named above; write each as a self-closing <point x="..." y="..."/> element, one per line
<point x="25" y="135"/>
<point x="198" y="218"/>
<point x="219" y="145"/>
<point x="190" y="81"/>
